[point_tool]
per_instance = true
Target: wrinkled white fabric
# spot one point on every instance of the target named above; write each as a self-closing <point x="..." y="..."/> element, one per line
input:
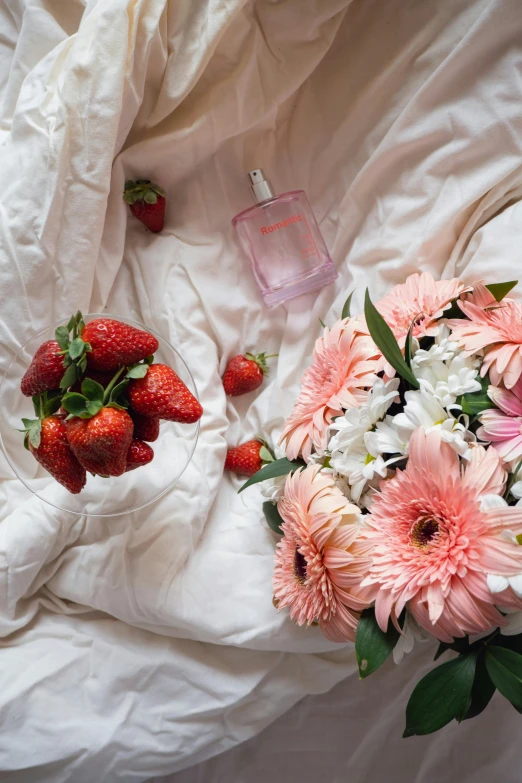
<point x="136" y="646"/>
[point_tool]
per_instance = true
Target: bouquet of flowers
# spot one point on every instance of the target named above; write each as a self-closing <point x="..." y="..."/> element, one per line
<point x="397" y="500"/>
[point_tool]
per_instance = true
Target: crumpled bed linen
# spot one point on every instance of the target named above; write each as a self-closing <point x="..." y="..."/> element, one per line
<point x="135" y="646"/>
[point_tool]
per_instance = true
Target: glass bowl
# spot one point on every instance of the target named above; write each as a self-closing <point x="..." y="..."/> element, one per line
<point x="101" y="497"/>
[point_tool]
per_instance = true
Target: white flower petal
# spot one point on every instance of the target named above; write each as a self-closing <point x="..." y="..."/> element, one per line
<point x="497" y="583"/>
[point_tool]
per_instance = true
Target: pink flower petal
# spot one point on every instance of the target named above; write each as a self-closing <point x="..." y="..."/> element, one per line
<point x="507" y="401"/>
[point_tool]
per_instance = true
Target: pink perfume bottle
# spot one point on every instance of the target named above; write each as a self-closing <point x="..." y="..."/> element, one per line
<point x="281" y="237"/>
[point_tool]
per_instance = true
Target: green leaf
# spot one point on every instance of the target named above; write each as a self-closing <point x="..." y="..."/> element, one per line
<point x="372" y="645"/>
<point x="52" y="404"/>
<point x="115" y="405"/>
<point x="272" y="516"/>
<point x="92" y="390"/>
<point x="460" y="645"/>
<point x="119" y="389"/>
<point x="384" y="339"/>
<point x="36" y="404"/>
<point x="138" y="371"/>
<point x="279" y="467"/>
<point x="157" y="189"/>
<point x="69" y="377"/>
<point x="61" y="335"/>
<point x="510" y="642"/>
<point x="35" y="434"/>
<point x="93" y="407"/>
<point x="149" y="359"/>
<point x="481" y="691"/>
<point x="408" y="346"/>
<point x="476" y="402"/>
<point x="75" y="403"/>
<point x="346" y="307"/>
<point x="76" y="348"/>
<point x="82" y="364"/>
<point x="265" y="454"/>
<point x="500" y="290"/>
<point x="441" y="696"/>
<point x="70" y="325"/>
<point x="322" y="323"/>
<point x="28" y="423"/>
<point x="505" y="669"/>
<point x="150" y="197"/>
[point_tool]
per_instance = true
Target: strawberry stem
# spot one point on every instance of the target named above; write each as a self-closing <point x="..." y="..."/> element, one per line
<point x="112" y="384"/>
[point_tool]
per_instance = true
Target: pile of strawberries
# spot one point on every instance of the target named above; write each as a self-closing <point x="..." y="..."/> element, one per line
<point x="99" y="397"/>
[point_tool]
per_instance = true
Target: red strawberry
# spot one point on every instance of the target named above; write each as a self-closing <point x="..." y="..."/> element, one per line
<point x="45" y="371"/>
<point x="139" y="454"/>
<point x="245" y="460"/>
<point x="145" y="427"/>
<point x="101" y="443"/>
<point x="245" y="373"/>
<point x="115" y="344"/>
<point x="163" y="394"/>
<point x="55" y="455"/>
<point x="147" y="203"/>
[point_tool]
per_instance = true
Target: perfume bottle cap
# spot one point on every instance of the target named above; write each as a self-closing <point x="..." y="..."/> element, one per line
<point x="260" y="187"/>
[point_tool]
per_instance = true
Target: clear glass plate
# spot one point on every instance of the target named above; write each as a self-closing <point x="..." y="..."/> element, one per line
<point x="101" y="497"/>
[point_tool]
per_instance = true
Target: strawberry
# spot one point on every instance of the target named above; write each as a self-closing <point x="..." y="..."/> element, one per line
<point x="245" y="460"/>
<point x="100" y="443"/>
<point x="139" y="454"/>
<point x="45" y="371"/>
<point x="145" y="427"/>
<point x="147" y="203"/>
<point x="46" y="439"/>
<point x="161" y="393"/>
<point x="114" y="344"/>
<point x="245" y="373"/>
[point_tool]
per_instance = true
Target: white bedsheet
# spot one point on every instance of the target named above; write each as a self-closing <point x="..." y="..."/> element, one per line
<point x="135" y="646"/>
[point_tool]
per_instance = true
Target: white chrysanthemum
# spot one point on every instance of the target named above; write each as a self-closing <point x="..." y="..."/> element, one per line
<point x="443" y="349"/>
<point x="424" y="410"/>
<point x="411" y="632"/>
<point x="385" y="439"/>
<point x="351" y="427"/>
<point x="447" y="381"/>
<point x="359" y="467"/>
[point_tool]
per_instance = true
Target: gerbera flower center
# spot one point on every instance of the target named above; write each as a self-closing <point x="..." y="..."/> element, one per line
<point x="299" y="567"/>
<point x="424" y="531"/>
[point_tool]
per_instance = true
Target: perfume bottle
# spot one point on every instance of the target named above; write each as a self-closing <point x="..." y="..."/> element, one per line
<point x="281" y="237"/>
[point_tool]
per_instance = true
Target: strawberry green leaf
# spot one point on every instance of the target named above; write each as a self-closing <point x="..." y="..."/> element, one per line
<point x="82" y="364"/>
<point x="119" y="389"/>
<point x="52" y="403"/>
<point x="346" y="307"/>
<point x="94" y="407"/>
<point x="62" y="337"/>
<point x="92" y="390"/>
<point x="158" y="190"/>
<point x="150" y="197"/>
<point x="75" y="403"/>
<point x="28" y="423"/>
<point x="500" y="290"/>
<point x="35" y="434"/>
<point x="265" y="454"/>
<point x="138" y="371"/>
<point x="273" y="517"/>
<point x="69" y="377"/>
<point x="280" y="467"/>
<point x="70" y="325"/>
<point x="149" y="359"/>
<point x="115" y="405"/>
<point x="36" y="404"/>
<point x="384" y="339"/>
<point x="76" y="348"/>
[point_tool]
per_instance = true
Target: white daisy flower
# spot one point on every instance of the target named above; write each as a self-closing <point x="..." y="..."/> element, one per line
<point x="424" y="410"/>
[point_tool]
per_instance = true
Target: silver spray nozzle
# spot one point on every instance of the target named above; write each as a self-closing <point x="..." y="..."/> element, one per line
<point x="260" y="187"/>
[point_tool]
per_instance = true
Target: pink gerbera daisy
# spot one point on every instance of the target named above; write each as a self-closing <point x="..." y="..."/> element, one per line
<point x="344" y="364"/>
<point x="321" y="558"/>
<point x="495" y="328"/>
<point x="438" y="534"/>
<point x="504" y="427"/>
<point x="421" y="299"/>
